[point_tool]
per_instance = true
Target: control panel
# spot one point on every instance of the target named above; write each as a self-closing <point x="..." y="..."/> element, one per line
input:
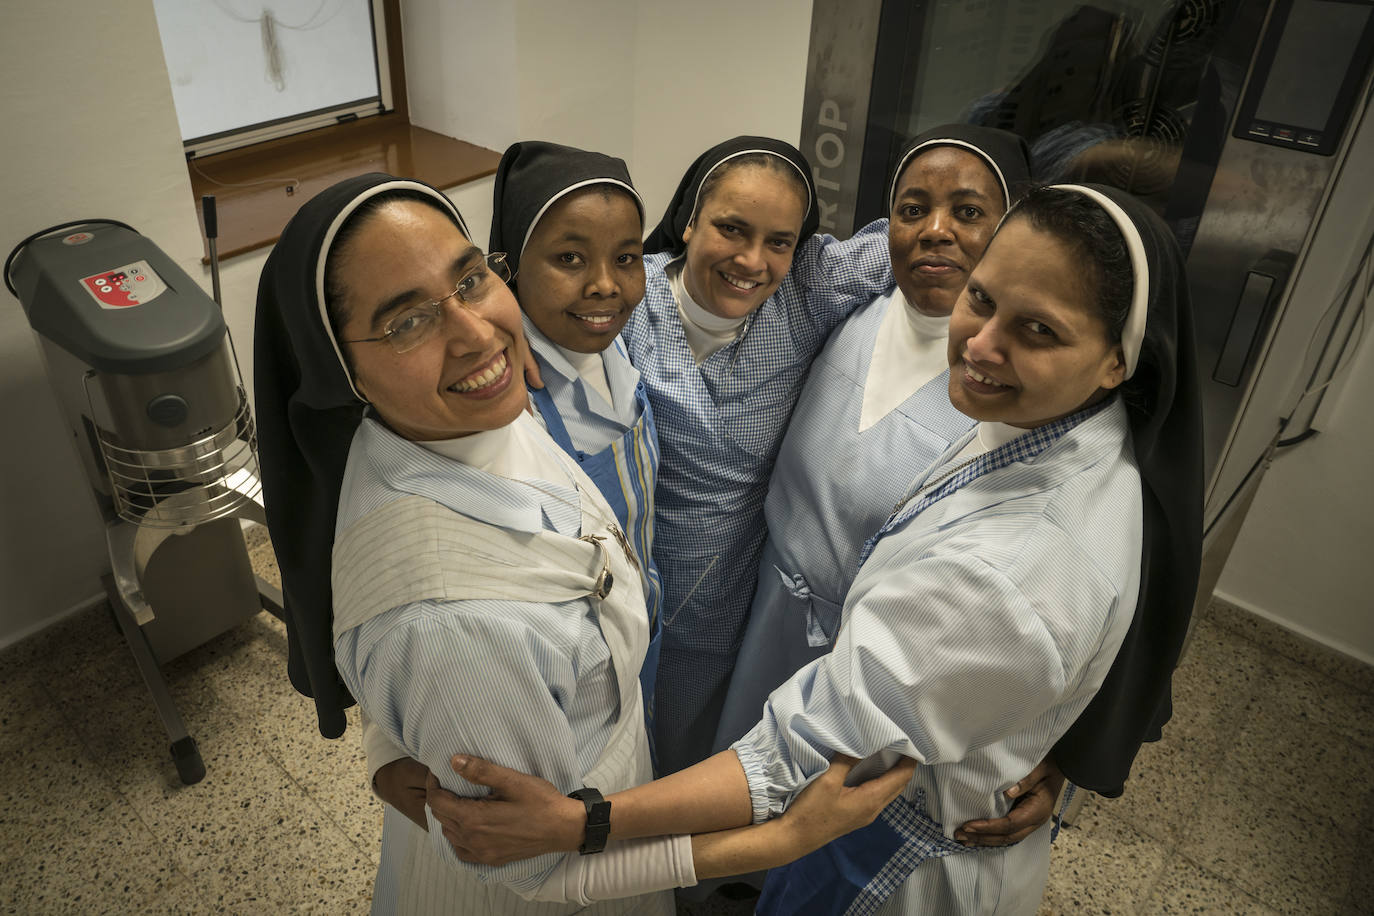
<point x="125" y="287"/>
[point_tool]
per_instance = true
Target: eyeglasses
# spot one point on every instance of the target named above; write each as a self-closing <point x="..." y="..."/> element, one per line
<point x="418" y="324"/>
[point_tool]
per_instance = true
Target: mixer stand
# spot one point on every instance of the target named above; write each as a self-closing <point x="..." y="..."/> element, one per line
<point x="185" y="753"/>
<point x="135" y="589"/>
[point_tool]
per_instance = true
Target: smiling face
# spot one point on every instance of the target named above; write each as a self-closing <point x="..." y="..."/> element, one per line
<point x="583" y="270"/>
<point x="1027" y="340"/>
<point x="467" y="377"/>
<point x="740" y="245"/>
<point x="946" y="207"/>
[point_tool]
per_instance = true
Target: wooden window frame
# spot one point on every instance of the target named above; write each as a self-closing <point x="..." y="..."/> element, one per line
<point x="258" y="188"/>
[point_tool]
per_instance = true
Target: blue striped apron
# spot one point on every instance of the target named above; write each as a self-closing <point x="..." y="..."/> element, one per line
<point x="624" y="472"/>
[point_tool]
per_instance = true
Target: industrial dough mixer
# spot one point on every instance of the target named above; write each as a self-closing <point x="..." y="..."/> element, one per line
<point x="148" y="384"/>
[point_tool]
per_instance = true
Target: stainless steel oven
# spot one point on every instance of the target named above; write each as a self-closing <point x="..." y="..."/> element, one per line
<point x="1234" y="119"/>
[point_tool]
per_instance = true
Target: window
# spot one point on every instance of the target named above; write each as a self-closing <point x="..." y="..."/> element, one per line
<point x="245" y="71"/>
<point x="262" y="171"/>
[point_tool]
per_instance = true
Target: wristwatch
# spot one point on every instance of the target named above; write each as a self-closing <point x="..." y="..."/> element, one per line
<point x="598" y="820"/>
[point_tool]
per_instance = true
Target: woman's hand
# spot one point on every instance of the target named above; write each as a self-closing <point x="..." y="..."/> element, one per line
<point x="1035" y="796"/>
<point x="401" y="784"/>
<point x="828" y="809"/>
<point x="526" y="355"/>
<point x="524" y="816"/>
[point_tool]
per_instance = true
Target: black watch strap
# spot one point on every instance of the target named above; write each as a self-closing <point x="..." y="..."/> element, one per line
<point x="598" y="820"/>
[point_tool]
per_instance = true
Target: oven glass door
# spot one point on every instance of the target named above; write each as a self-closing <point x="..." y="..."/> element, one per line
<point x="1105" y="93"/>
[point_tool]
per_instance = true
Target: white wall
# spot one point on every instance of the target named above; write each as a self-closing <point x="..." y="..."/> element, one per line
<point x="1303" y="555"/>
<point x="654" y="82"/>
<point x="710" y="70"/>
<point x="89" y="131"/>
<point x="460" y="68"/>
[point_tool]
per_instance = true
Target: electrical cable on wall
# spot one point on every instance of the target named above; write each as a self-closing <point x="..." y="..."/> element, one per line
<point x="291" y="184"/>
<point x="1361" y="278"/>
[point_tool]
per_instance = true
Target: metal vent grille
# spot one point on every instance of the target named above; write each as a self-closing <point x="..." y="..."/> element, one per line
<point x="211" y="478"/>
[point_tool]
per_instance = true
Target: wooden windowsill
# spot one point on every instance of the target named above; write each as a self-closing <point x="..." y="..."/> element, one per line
<point x="250" y="184"/>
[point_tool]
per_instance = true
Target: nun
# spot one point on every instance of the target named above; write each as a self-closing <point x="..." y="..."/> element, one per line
<point x="1052" y="552"/>
<point x="482" y="592"/>
<point x="741" y="295"/>
<point x="1055" y="541"/>
<point x="875" y="410"/>
<point x="574" y="224"/>
<point x="458" y="574"/>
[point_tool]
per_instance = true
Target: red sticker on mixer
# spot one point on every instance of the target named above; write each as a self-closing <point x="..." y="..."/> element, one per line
<point x="125" y="287"/>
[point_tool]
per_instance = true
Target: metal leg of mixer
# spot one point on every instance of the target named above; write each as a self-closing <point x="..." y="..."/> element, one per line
<point x="253" y="511"/>
<point x="271" y="598"/>
<point x="185" y="754"/>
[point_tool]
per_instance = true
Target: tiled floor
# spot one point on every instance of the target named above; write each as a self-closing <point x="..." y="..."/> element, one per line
<point x="1259" y="800"/>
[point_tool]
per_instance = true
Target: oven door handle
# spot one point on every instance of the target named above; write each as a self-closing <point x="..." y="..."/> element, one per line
<point x="1259" y="296"/>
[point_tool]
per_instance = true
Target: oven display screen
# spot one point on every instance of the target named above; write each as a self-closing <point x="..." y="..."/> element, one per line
<point x="1311" y="62"/>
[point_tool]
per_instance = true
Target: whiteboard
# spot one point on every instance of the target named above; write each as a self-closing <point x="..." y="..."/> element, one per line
<point x="235" y="64"/>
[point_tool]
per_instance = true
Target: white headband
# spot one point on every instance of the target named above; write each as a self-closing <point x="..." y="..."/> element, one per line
<point x="1133" y="332"/>
<point x="696" y="200"/>
<point x="948" y="141"/>
<point x="328" y="243"/>
<point x="639" y="202"/>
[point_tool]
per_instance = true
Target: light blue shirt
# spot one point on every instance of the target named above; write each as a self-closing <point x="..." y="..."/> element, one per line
<point x="529" y="686"/>
<point x="973" y="637"/>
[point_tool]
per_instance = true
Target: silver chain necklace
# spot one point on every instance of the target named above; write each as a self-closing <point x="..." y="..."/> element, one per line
<point x="929" y="485"/>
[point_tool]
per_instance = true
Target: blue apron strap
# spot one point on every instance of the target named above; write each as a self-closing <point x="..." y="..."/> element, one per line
<point x="602" y="468"/>
<point x="641" y="448"/>
<point x="1058" y="819"/>
<point x="553" y="420"/>
<point x="857" y="873"/>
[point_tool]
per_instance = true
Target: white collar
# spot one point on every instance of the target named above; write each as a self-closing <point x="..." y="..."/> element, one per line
<point x="479" y="450"/>
<point x="927" y="326"/>
<point x="694" y="314"/>
<point x="583" y="362"/>
<point x="519" y="450"/>
<point x="992" y="434"/>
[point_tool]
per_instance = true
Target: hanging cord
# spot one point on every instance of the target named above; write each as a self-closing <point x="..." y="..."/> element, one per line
<point x="1361" y="277"/>
<point x="9" y="261"/>
<point x="1069" y="790"/>
<point x="308" y="25"/>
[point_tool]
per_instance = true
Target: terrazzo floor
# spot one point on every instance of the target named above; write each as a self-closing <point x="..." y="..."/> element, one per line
<point x="1260" y="798"/>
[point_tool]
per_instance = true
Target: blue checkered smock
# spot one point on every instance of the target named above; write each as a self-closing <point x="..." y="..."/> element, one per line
<point x="719" y="425"/>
